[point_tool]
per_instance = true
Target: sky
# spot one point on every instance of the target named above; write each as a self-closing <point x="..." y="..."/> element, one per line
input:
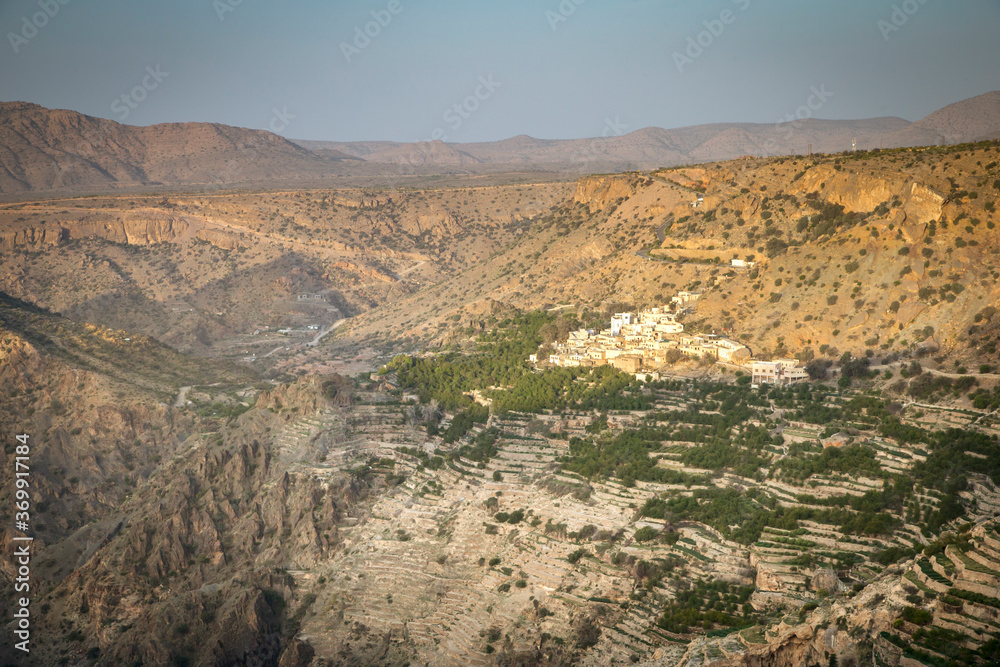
<point x="484" y="70"/>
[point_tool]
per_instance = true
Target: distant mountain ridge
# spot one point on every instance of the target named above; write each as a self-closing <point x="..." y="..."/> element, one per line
<point x="49" y="150"/>
<point x="974" y="119"/>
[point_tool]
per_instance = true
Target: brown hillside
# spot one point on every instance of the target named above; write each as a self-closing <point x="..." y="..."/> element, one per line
<point x="973" y="119"/>
<point x="42" y="149"/>
<point x="910" y="260"/>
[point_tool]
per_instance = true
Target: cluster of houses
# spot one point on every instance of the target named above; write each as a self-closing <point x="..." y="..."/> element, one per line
<point x="641" y="344"/>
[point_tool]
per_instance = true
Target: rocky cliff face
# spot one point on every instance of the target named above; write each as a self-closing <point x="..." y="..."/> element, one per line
<point x="600" y="192"/>
<point x="140" y="227"/>
<point x="192" y="566"/>
<point x="861" y="192"/>
<point x="90" y="450"/>
<point x="854" y="191"/>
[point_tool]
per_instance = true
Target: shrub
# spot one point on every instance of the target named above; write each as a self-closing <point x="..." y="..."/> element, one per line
<point x="817" y="368"/>
<point x="856" y="368"/>
<point x="645" y="534"/>
<point x="916" y="616"/>
<point x="774" y="246"/>
<point x="587" y="633"/>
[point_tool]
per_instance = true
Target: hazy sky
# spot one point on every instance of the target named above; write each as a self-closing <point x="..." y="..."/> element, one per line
<point x="479" y="70"/>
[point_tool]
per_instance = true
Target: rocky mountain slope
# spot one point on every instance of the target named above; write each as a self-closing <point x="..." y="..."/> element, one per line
<point x="44" y="149"/>
<point x="204" y="272"/>
<point x="332" y="522"/>
<point x="969" y="120"/>
<point x="889" y="250"/>
<point x="462" y="509"/>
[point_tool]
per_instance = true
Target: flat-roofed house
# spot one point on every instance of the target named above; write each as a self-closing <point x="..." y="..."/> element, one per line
<point x="780" y="371"/>
<point x="628" y="364"/>
<point x="669" y="328"/>
<point x="732" y="351"/>
<point x="618" y="321"/>
<point x="684" y="298"/>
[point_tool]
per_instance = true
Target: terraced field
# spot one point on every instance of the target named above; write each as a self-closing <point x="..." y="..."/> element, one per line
<point x="467" y="557"/>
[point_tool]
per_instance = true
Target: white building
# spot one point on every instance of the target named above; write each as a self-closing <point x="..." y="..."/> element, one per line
<point x="618" y="321"/>
<point x="669" y="328"/>
<point x="684" y="298"/>
<point x="780" y="371"/>
<point x="732" y="351"/>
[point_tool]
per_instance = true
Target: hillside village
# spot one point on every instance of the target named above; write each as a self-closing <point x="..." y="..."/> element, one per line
<point x="643" y="343"/>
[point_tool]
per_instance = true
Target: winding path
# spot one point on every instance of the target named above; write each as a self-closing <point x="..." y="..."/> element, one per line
<point x="315" y="341"/>
<point x="661" y="236"/>
<point x="409" y="270"/>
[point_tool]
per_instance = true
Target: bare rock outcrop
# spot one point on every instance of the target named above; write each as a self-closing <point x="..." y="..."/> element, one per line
<point x="141" y="227"/>
<point x="599" y="192"/>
